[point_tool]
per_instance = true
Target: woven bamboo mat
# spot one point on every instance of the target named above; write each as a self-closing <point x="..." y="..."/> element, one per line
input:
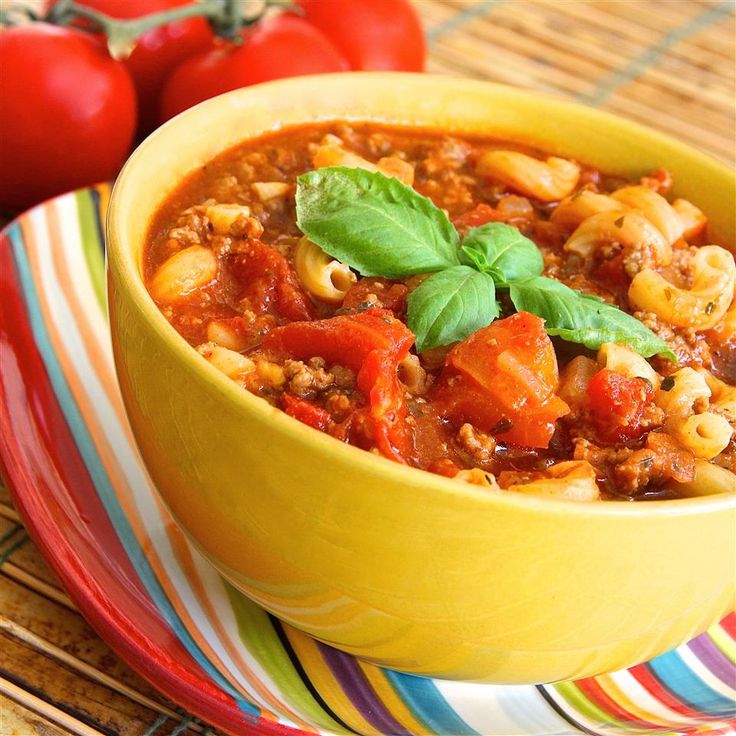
<point x="667" y="63"/>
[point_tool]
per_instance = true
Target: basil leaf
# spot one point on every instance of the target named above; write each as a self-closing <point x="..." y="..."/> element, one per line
<point x="376" y="225"/>
<point x="583" y="319"/>
<point x="502" y="251"/>
<point x="450" y="305"/>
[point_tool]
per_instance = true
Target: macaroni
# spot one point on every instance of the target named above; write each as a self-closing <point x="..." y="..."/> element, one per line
<point x="182" y="273"/>
<point x="224" y="216"/>
<point x="709" y="480"/>
<point x="642" y="243"/>
<point x="625" y="361"/>
<point x="232" y="364"/>
<point x="332" y="153"/>
<point x="574" y="481"/>
<point x="547" y="181"/>
<point x="703" y="305"/>
<point x="687" y="388"/>
<point x="268" y="190"/>
<point x="723" y="396"/>
<point x="693" y="220"/>
<point x="572" y="211"/>
<point x="705" y="435"/>
<point x="321" y="275"/>
<point x="655" y="208"/>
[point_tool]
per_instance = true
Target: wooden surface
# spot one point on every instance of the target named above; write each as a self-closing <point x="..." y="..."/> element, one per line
<point x="667" y="63"/>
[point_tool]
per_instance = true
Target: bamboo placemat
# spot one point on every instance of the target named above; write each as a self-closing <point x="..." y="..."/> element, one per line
<point x="667" y="63"/>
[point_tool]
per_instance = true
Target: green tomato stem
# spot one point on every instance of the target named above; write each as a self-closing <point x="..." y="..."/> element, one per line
<point x="225" y="16"/>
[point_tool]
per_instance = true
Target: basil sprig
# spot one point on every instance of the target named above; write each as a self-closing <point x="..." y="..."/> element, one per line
<point x="381" y="227"/>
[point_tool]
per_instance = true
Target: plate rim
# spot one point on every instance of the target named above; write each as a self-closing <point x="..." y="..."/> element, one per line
<point x="195" y="695"/>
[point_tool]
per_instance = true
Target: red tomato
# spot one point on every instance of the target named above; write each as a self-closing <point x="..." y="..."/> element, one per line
<point x="68" y="109"/>
<point x="270" y="284"/>
<point x="617" y="405"/>
<point x="306" y="412"/>
<point x="503" y="380"/>
<point x="371" y="343"/>
<point x="158" y="51"/>
<point x="480" y="215"/>
<point x="371" y="34"/>
<point x="282" y="46"/>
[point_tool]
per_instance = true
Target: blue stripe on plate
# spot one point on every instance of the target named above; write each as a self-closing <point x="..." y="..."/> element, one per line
<point x="675" y="675"/>
<point x="99" y="476"/>
<point x="427" y="704"/>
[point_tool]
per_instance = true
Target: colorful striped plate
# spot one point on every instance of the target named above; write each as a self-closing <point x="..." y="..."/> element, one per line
<point x="84" y="495"/>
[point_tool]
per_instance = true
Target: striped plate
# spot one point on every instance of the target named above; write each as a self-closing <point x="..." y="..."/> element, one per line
<point x="84" y="494"/>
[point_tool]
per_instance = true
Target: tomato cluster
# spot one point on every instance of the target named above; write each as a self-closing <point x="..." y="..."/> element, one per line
<point x="71" y="111"/>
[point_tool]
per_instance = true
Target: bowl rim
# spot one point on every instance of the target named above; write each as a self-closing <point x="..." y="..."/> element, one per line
<point x="119" y="258"/>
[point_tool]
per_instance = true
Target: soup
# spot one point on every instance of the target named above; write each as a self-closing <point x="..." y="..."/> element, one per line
<point x="479" y="310"/>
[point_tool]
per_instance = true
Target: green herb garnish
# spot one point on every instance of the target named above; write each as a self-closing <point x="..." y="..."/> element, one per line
<point x="381" y="227"/>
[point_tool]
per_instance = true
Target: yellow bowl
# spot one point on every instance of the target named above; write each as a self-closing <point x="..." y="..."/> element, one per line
<point x="402" y="567"/>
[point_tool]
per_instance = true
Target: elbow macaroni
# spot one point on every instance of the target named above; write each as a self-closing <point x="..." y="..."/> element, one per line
<point x="573" y="481"/>
<point x="331" y="152"/>
<point x="572" y="211"/>
<point x="547" y="181"/>
<point x="655" y="208"/>
<point x="693" y="220"/>
<point x="701" y="306"/>
<point x="688" y="388"/>
<point x="182" y="273"/>
<point x="631" y="229"/>
<point x="625" y="361"/>
<point x="224" y="216"/>
<point x="320" y="274"/>
<point x="227" y="361"/>
<point x="709" y="480"/>
<point x="705" y="435"/>
<point x="723" y="396"/>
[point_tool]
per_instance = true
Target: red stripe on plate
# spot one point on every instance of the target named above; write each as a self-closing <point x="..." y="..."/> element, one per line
<point x="59" y="505"/>
<point x="595" y="693"/>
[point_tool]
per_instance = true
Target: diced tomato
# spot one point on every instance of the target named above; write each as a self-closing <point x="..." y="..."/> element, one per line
<point x="371" y="343"/>
<point x="611" y="274"/>
<point x="617" y="404"/>
<point x="503" y="380"/>
<point x="390" y="295"/>
<point x="269" y="283"/>
<point x="306" y="412"/>
<point x="482" y="214"/>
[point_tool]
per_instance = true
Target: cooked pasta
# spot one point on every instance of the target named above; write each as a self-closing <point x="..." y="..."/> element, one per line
<point x="321" y="275"/>
<point x="580" y="206"/>
<point x="332" y="153"/>
<point x="628" y="395"/>
<point x="224" y="216"/>
<point x="684" y="389"/>
<point x="701" y="306"/>
<point x="625" y="361"/>
<point x="693" y="220"/>
<point x="643" y="244"/>
<point x="546" y="181"/>
<point x="655" y="208"/>
<point x="706" y="435"/>
<point x="182" y="273"/>
<point x="709" y="480"/>
<point x="572" y="481"/>
<point x="723" y="396"/>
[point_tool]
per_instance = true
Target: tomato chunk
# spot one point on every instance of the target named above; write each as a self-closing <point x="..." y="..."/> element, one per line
<point x="269" y="283"/>
<point x="306" y="412"/>
<point x="617" y="404"/>
<point x="503" y="380"/>
<point x="480" y="215"/>
<point x="371" y="343"/>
